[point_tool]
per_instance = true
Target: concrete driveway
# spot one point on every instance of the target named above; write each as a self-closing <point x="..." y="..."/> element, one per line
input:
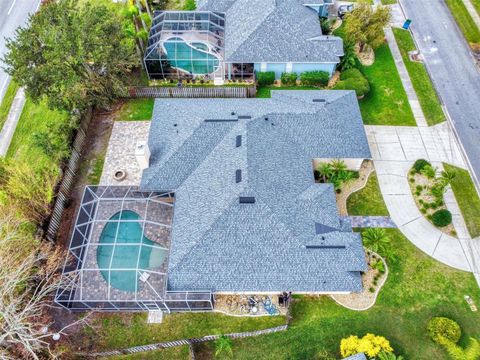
<point x="394" y="150"/>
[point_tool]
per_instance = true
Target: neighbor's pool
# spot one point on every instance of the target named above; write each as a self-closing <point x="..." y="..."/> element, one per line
<point x="125" y="249"/>
<point x="193" y="58"/>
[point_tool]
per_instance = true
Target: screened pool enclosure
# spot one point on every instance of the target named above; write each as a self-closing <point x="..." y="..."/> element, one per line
<point x="186" y="44"/>
<point x="118" y="255"/>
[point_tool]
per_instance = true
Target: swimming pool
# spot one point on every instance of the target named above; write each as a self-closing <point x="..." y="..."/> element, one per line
<point x="123" y="252"/>
<point x="191" y="57"/>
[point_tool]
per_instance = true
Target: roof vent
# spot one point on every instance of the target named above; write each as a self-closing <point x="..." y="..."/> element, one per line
<point x="233" y="113"/>
<point x="220" y="120"/>
<point x="238" y="141"/>
<point x="266" y="118"/>
<point x="246" y="199"/>
<point x="319" y="100"/>
<point x="320" y="246"/>
<point x="238" y="176"/>
<point x="244" y="117"/>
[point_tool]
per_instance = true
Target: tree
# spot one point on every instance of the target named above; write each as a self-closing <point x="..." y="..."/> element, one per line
<point x="376" y="239"/>
<point x="25" y="297"/>
<point x="325" y="171"/>
<point x="223" y="346"/>
<point x="189" y="5"/>
<point x="364" y="25"/>
<point x="78" y="55"/>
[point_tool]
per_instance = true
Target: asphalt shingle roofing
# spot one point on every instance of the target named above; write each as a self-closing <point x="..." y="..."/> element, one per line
<point x="273" y="31"/>
<point x="290" y="237"/>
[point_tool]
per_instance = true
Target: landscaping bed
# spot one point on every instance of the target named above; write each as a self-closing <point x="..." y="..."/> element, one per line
<point x="372" y="280"/>
<point x="421" y="81"/>
<point x="427" y="190"/>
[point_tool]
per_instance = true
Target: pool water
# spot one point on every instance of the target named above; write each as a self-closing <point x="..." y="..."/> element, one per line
<point x="193" y="58"/>
<point x="127" y="247"/>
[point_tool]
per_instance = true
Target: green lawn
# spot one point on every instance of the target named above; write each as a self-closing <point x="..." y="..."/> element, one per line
<point x="265" y="91"/>
<point x="421" y="81"/>
<point x="367" y="201"/>
<point x="38" y="118"/>
<point x="7" y="102"/>
<point x="135" y="110"/>
<point x="467" y="198"/>
<point x="464" y="21"/>
<point x="116" y="331"/>
<point x="417" y="288"/>
<point x="386" y="103"/>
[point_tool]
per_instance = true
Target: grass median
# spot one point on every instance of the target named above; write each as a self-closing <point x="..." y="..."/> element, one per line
<point x="421" y="81"/>
<point x="467" y="198"/>
<point x="465" y="22"/>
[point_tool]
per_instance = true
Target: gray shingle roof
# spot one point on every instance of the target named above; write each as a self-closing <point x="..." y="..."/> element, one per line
<point x="274" y="244"/>
<point x="274" y="30"/>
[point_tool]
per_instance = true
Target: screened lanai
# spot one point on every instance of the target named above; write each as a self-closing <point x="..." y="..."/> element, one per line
<point x="186" y="44"/>
<point x="118" y="255"/>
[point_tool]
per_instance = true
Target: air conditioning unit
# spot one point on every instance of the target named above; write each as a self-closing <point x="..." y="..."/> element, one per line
<point x="142" y="154"/>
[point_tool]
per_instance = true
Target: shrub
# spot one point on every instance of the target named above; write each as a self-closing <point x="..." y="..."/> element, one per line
<point x="265" y="78"/>
<point x="190" y="5"/>
<point x="429" y="171"/>
<point x="289" y="79"/>
<point x="420" y="164"/>
<point x="353" y="79"/>
<point x="315" y="78"/>
<point x="325" y="25"/>
<point x="442" y="218"/>
<point x="442" y="329"/>
<point x="370" y="344"/>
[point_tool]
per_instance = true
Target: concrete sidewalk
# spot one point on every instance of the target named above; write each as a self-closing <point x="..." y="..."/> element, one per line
<point x="12" y="120"/>
<point x="473" y="12"/>
<point x="394" y="150"/>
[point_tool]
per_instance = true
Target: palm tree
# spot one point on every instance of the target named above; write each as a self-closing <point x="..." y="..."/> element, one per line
<point x="471" y="352"/>
<point x="447" y="176"/>
<point x="325" y="171"/>
<point x="223" y="346"/>
<point x="376" y="239"/>
<point x="338" y="165"/>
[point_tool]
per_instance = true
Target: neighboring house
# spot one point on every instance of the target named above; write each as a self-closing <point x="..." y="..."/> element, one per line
<point x="232" y="39"/>
<point x="228" y="205"/>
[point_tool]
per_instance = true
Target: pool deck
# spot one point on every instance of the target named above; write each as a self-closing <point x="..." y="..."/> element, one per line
<point x="94" y="287"/>
<point x="121" y="152"/>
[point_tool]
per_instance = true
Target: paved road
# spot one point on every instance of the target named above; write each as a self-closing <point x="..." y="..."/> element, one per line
<point x="452" y="68"/>
<point x="13" y="13"/>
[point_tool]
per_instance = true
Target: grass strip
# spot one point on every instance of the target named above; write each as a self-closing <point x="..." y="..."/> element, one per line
<point x="7" y="102"/>
<point x="421" y="81"/>
<point x="465" y="22"/>
<point x="467" y="198"/>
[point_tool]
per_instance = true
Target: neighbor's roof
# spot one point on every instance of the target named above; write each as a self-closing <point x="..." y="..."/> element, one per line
<point x="274" y="30"/>
<point x="214" y="151"/>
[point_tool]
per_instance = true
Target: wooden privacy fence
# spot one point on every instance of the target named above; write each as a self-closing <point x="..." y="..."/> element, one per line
<point x="189" y="342"/>
<point x="68" y="177"/>
<point x="193" y="92"/>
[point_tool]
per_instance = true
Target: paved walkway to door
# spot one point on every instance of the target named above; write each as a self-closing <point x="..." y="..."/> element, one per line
<point x="394" y="150"/>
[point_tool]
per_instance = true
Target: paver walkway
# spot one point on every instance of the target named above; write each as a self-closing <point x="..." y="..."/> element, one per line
<point x="12" y="120"/>
<point x="394" y="150"/>
<point x="407" y="83"/>
<point x="473" y="12"/>
<point x="371" y="221"/>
